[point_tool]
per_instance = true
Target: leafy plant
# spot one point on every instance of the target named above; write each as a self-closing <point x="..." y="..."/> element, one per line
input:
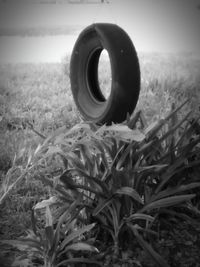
<point x="117" y="183"/>
<point x="54" y="246"/>
<point x="128" y="178"/>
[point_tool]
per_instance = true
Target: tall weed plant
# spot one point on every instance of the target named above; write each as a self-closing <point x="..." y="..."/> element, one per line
<point x="114" y="186"/>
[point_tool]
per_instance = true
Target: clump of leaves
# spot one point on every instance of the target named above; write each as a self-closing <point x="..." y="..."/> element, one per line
<point x="55" y="246"/>
<point x="124" y="181"/>
<point x="130" y="178"/>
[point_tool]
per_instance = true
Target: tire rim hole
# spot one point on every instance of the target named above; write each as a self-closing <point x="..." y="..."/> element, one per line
<point x="104" y="74"/>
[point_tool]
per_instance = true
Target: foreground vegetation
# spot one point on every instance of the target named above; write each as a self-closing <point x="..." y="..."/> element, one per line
<point x="108" y="196"/>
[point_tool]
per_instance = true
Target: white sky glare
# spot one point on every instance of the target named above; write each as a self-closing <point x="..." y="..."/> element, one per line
<point x="153" y="25"/>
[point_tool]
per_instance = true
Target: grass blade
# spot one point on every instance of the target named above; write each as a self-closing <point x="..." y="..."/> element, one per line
<point x="81" y="246"/>
<point x="76" y="234"/>
<point x="168" y="192"/>
<point x="149" y="250"/>
<point x="167" y="202"/>
<point x="101" y="206"/>
<point x="140" y="216"/>
<point x="78" y="260"/>
<point x="128" y="191"/>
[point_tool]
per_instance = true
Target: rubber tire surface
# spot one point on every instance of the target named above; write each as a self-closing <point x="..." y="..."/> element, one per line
<point x="125" y="86"/>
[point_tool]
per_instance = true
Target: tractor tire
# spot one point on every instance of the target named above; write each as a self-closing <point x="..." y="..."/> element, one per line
<point x="125" y="85"/>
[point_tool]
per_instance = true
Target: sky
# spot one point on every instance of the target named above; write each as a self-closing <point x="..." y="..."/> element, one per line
<point x="153" y="25"/>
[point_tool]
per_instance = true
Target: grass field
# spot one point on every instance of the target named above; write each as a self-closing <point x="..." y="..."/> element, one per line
<point x="39" y="95"/>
